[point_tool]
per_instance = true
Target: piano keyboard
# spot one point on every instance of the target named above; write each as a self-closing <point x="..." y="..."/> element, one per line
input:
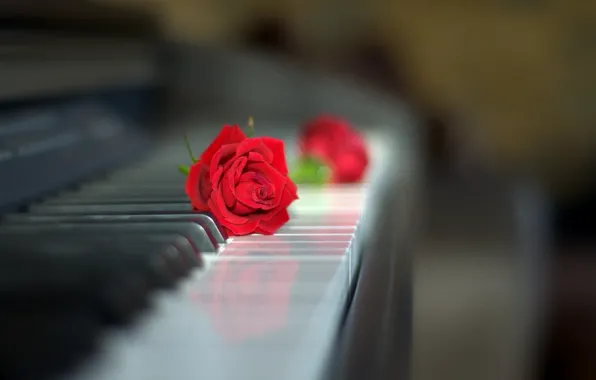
<point x="127" y="252"/>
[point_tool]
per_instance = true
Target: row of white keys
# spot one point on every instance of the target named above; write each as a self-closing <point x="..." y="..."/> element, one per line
<point x="265" y="307"/>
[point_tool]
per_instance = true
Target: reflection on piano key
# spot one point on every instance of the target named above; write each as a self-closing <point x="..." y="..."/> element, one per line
<point x="312" y="250"/>
<point x="293" y="238"/>
<point x="313" y="245"/>
<point x="248" y="299"/>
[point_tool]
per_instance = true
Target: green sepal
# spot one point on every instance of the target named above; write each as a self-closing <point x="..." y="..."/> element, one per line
<point x="183" y="169"/>
<point x="309" y="170"/>
<point x="251" y="127"/>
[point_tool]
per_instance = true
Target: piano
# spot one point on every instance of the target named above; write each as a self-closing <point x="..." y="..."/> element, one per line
<point x="106" y="272"/>
<point x="107" y="275"/>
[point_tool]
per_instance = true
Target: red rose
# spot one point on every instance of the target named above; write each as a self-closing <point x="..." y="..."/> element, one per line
<point x="243" y="182"/>
<point x="248" y="298"/>
<point x="334" y="142"/>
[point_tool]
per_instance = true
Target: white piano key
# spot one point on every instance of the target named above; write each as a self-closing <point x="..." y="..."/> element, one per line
<point x="292" y="237"/>
<point x="315" y="229"/>
<point x="316" y="256"/>
<point x="314" y="245"/>
<point x="294" y="250"/>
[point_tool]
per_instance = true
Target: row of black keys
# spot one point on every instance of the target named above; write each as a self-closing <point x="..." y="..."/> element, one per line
<point x="73" y="265"/>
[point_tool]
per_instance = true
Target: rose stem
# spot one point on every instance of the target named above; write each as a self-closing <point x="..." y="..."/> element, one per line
<point x="251" y="127"/>
<point x="192" y="157"/>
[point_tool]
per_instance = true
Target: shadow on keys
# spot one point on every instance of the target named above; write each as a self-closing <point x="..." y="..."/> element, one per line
<point x="247" y="291"/>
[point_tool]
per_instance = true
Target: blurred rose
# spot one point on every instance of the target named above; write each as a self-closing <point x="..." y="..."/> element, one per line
<point x="337" y="145"/>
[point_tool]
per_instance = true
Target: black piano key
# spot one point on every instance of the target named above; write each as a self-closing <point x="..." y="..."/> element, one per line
<point x="148" y="174"/>
<point x="136" y="191"/>
<point x="145" y="210"/>
<point x="86" y="199"/>
<point x="39" y="345"/>
<point x="154" y="264"/>
<point x="215" y="234"/>
<point x="165" y="259"/>
<point x="151" y="172"/>
<point x="49" y="277"/>
<point x="161" y="265"/>
<point x="192" y="231"/>
<point x="156" y="267"/>
<point x="179" y="262"/>
<point x="107" y="209"/>
<point x="186" y="252"/>
<point x="184" y="257"/>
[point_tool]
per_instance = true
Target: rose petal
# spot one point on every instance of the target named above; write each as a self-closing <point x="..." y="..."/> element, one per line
<point x="245" y="190"/>
<point x="325" y="128"/>
<point x="289" y="195"/>
<point x="255" y="157"/>
<point x="273" y="177"/>
<point x="269" y="227"/>
<point x="228" y="189"/>
<point x="324" y="150"/>
<point x="247" y="228"/>
<point x="349" y="167"/>
<point x="256" y="192"/>
<point x="198" y="186"/>
<point x="234" y="170"/>
<point x="242" y="209"/>
<point x="235" y="224"/>
<point x="255" y="145"/>
<point x="238" y="167"/>
<point x="220" y="158"/>
<point x="251" y="176"/>
<point x="229" y="134"/>
<point x="218" y="207"/>
<point x="215" y="177"/>
<point x="278" y="160"/>
<point x="324" y="135"/>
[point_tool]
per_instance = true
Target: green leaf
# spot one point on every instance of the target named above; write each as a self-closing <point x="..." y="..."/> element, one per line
<point x="309" y="170"/>
<point x="187" y="142"/>
<point x="183" y="169"/>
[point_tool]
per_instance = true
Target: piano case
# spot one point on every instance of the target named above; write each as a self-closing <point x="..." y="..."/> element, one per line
<point x="79" y="83"/>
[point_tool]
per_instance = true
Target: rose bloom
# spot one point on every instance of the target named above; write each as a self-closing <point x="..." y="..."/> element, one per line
<point x="337" y="145"/>
<point x="243" y="182"/>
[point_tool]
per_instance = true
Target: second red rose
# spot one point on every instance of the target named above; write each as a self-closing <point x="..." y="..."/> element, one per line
<point x="337" y="145"/>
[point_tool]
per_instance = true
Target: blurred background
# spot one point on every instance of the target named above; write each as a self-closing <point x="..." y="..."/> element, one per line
<point x="505" y="83"/>
<point x="498" y="89"/>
